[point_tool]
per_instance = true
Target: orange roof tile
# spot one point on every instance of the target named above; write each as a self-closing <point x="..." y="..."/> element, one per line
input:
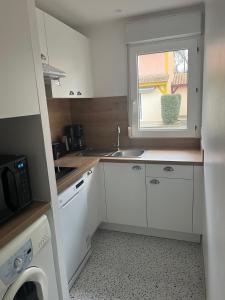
<point x="179" y="79"/>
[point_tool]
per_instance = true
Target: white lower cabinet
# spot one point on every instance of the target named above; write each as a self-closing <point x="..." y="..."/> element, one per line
<point x="125" y="193"/>
<point x="169" y="204"/>
<point x="102" y="211"/>
<point x="95" y="198"/>
<point x="198" y="199"/>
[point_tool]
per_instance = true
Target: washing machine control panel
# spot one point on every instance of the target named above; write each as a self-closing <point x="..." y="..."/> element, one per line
<point x="12" y="268"/>
<point x="18" y="264"/>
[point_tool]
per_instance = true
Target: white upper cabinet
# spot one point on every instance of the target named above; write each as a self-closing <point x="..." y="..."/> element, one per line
<point x="125" y="194"/>
<point x="18" y="88"/>
<point x="68" y="51"/>
<point x="40" y="16"/>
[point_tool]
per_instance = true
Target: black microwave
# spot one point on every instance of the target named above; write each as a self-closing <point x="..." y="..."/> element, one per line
<point x="15" y="191"/>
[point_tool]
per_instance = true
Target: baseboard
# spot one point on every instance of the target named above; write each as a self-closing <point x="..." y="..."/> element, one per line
<point x="183" y="236"/>
<point x="80" y="268"/>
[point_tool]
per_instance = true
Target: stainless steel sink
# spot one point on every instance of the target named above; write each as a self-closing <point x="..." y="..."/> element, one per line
<point x="128" y="153"/>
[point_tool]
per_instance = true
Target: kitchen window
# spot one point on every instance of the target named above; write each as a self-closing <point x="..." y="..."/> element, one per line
<point x="165" y="88"/>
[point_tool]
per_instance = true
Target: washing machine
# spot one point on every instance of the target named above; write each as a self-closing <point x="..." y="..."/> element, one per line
<point x="26" y="265"/>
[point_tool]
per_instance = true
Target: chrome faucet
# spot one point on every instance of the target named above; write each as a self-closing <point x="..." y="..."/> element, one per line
<point x="118" y="137"/>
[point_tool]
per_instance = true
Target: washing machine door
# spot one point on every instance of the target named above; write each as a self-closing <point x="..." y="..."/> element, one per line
<point x="32" y="284"/>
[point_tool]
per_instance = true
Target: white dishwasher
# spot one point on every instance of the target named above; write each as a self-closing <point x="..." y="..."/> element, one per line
<point x="74" y="225"/>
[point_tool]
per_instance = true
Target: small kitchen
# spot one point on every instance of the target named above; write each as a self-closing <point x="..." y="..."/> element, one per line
<point x="145" y="186"/>
<point x="106" y="169"/>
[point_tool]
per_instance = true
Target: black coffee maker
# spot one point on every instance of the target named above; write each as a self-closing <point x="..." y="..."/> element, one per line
<point x="75" y="137"/>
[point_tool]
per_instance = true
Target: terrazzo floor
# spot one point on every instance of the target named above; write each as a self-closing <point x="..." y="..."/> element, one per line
<point x="134" y="267"/>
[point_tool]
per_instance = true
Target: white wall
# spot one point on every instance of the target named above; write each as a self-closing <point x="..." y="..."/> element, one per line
<point x="109" y="50"/>
<point x="214" y="146"/>
<point x="109" y="56"/>
<point x="164" y="25"/>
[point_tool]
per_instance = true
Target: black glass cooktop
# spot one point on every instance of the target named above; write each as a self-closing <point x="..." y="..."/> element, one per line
<point x="62" y="171"/>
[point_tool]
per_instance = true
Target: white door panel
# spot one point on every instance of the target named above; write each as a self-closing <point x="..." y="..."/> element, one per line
<point x="74" y="216"/>
<point x="169" y="204"/>
<point x="198" y="199"/>
<point x="169" y="171"/>
<point x="18" y="86"/>
<point x="42" y="33"/>
<point x="125" y="193"/>
<point x="69" y="51"/>
<point x="92" y="184"/>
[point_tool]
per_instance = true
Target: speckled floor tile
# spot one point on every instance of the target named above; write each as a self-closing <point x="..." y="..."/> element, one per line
<point x="127" y="266"/>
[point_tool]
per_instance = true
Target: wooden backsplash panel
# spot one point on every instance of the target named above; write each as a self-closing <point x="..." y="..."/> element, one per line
<point x="100" y="116"/>
<point x="59" y="111"/>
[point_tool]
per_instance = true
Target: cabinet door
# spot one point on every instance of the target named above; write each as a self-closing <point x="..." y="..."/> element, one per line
<point x="42" y="34"/>
<point x="198" y="199"/>
<point x="125" y="194"/>
<point x="18" y="89"/>
<point x="169" y="171"/>
<point x="102" y="200"/>
<point x="68" y="50"/>
<point x="93" y="194"/>
<point x="96" y="197"/>
<point x="169" y="204"/>
<point x="83" y="66"/>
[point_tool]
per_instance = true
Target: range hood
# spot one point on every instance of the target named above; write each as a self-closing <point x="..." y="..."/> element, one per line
<point x="52" y="73"/>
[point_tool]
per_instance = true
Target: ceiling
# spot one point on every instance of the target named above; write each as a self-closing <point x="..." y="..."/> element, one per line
<point x="78" y="13"/>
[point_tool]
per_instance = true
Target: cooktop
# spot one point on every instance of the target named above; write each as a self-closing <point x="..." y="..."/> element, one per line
<point x="62" y="171"/>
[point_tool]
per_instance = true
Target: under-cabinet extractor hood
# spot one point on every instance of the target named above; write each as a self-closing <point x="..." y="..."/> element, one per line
<point x="52" y="73"/>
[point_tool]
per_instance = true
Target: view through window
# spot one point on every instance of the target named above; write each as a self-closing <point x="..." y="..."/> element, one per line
<point x="162" y="89"/>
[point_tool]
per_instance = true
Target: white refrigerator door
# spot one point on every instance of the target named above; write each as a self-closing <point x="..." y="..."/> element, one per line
<point x="74" y="218"/>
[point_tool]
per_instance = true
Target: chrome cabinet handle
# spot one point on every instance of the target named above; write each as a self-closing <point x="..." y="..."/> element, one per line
<point x="89" y="172"/>
<point x="71" y="93"/>
<point x="155" y="181"/>
<point x="168" y="169"/>
<point x="79" y="93"/>
<point x="136" y="168"/>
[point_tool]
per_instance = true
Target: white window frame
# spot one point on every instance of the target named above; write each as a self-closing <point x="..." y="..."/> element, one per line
<point x="194" y="87"/>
